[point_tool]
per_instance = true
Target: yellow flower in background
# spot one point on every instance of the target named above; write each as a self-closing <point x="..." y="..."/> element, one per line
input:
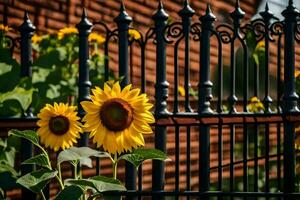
<point x="297" y="73"/>
<point x="4" y="28"/>
<point x="96" y="38"/>
<point x="117" y="119"/>
<point x="59" y="127"/>
<point x="261" y="44"/>
<point x="134" y="34"/>
<point x="66" y="32"/>
<point x="181" y="91"/>
<point x="36" y="39"/>
<point x="255" y="105"/>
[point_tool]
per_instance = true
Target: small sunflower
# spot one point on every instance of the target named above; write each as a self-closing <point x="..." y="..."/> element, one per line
<point x="59" y="126"/>
<point x="117" y="119"/>
<point x="4" y="28"/>
<point x="255" y="105"/>
<point x="36" y="39"/>
<point x="66" y="32"/>
<point x="96" y="38"/>
<point x="134" y="34"/>
<point x="181" y="91"/>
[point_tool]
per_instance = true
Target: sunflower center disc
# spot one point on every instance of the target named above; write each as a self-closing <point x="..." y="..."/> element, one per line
<point x="116" y="114"/>
<point x="59" y="125"/>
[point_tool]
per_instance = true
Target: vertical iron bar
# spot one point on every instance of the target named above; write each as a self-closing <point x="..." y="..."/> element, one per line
<point x="290" y="97"/>
<point x="106" y="59"/>
<point x="232" y="158"/>
<point x="177" y="158"/>
<point x="84" y="29"/>
<point x="176" y="74"/>
<point x="220" y="159"/>
<point x="188" y="159"/>
<point x="267" y="157"/>
<point x="143" y="68"/>
<point x="26" y="30"/>
<point x="161" y="94"/>
<point x="256" y="146"/>
<point x="186" y="14"/>
<point x="205" y="95"/>
<point x="123" y="21"/>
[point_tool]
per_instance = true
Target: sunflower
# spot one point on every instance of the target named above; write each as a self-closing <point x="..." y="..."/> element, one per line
<point x="59" y="126"/>
<point x="66" y="31"/>
<point x="96" y="38"/>
<point x="4" y="28"/>
<point x="117" y="119"/>
<point x="255" y="105"/>
<point x="36" y="39"/>
<point x="134" y="34"/>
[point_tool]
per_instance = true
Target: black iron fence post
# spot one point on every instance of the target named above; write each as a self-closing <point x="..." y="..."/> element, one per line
<point x="26" y="30"/>
<point x="123" y="21"/>
<point x="186" y="14"/>
<point x="205" y="95"/>
<point x="84" y="28"/>
<point x="290" y="97"/>
<point x="161" y="95"/>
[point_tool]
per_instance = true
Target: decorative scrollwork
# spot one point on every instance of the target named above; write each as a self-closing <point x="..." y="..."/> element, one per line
<point x="244" y="30"/>
<point x="276" y="28"/>
<point x="196" y="31"/>
<point x="259" y="29"/>
<point x="173" y="31"/>
<point x="226" y="33"/>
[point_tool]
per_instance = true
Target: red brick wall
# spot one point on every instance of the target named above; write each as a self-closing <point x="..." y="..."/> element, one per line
<point x="47" y="14"/>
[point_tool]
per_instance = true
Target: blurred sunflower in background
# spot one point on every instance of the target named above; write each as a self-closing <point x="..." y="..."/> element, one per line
<point x="59" y="127"/>
<point x="255" y="105"/>
<point x="117" y="119"/>
<point x="96" y="38"/>
<point x="66" y="31"/>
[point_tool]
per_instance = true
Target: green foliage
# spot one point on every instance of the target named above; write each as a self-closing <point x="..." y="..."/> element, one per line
<point x="54" y="74"/>
<point x="70" y="192"/>
<point x="37" y="180"/>
<point x="138" y="156"/>
<point x="81" y="155"/>
<point x="39" y="160"/>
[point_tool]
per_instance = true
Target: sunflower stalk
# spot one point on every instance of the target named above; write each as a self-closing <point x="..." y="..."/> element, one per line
<point x="59" y="177"/>
<point x="115" y="165"/>
<point x="42" y="195"/>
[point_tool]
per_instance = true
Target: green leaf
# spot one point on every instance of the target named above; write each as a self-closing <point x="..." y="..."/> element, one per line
<point x="4" y="68"/>
<point x="7" y="181"/>
<point x="37" y="180"/>
<point x="23" y="96"/>
<point x="81" y="154"/>
<point x="54" y="57"/>
<point x="138" y="156"/>
<point x="40" y="160"/>
<point x="71" y="192"/>
<point x="30" y="135"/>
<point x="99" y="183"/>
<point x="5" y="167"/>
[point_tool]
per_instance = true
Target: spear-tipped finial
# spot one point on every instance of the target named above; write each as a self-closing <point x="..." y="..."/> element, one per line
<point x="123" y="17"/>
<point x="160" y="13"/>
<point x="26" y="16"/>
<point x="291" y="2"/>
<point x="160" y="5"/>
<point x="238" y="13"/>
<point x="267" y="14"/>
<point x="84" y="14"/>
<point x="186" y="11"/>
<point x="209" y="16"/>
<point x="237" y="4"/>
<point x="84" y="24"/>
<point x="267" y="7"/>
<point x="186" y="2"/>
<point x="122" y="7"/>
<point x="27" y="25"/>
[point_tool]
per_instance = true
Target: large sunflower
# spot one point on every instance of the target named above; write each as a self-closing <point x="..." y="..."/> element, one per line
<point x="59" y="126"/>
<point x="117" y="119"/>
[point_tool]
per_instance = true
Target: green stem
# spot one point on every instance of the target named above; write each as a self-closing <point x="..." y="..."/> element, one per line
<point x="114" y="165"/>
<point x="75" y="170"/>
<point x="43" y="196"/>
<point x="59" y="177"/>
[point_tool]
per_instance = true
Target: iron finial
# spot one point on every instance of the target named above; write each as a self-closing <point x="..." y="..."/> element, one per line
<point x="186" y="10"/>
<point x="209" y="16"/>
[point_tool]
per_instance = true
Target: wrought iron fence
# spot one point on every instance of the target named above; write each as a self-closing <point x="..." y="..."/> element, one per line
<point x="282" y="113"/>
